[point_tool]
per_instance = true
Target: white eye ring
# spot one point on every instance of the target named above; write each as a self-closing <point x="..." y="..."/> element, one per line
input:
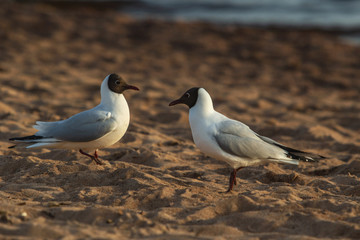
<point x="117" y="82"/>
<point x="187" y="95"/>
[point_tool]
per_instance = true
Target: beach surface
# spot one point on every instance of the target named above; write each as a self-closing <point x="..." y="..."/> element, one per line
<point x="298" y="87"/>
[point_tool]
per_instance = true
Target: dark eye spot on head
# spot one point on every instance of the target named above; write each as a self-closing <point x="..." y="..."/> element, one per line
<point x="116" y="83"/>
<point x="190" y="97"/>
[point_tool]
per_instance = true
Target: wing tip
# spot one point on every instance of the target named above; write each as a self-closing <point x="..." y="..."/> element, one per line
<point x="27" y="138"/>
<point x="305" y="158"/>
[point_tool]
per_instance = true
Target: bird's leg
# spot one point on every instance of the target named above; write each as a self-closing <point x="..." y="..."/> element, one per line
<point x="97" y="160"/>
<point x="232" y="180"/>
<point x="95" y="157"/>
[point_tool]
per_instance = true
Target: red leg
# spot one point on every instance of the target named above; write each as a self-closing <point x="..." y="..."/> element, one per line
<point x="232" y="180"/>
<point x="97" y="160"/>
<point x="95" y="157"/>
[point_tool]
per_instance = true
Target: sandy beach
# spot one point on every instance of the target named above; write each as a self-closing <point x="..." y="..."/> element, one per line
<point x="298" y="87"/>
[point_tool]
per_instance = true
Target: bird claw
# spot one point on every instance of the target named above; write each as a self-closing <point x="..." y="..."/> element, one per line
<point x="94" y="158"/>
<point x="98" y="161"/>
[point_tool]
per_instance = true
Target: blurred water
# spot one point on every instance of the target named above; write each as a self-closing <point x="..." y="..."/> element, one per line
<point x="302" y="13"/>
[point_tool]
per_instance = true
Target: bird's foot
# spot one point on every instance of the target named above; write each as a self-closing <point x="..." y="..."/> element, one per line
<point x="94" y="158"/>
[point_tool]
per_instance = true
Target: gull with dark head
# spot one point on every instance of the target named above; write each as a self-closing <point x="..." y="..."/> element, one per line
<point x="231" y="141"/>
<point x="90" y="130"/>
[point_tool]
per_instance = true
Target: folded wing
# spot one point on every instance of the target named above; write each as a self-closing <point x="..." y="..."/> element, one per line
<point x="238" y="139"/>
<point x="82" y="127"/>
<point x="293" y="153"/>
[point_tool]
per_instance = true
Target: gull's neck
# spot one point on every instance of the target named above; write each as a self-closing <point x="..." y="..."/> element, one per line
<point x="111" y="99"/>
<point x="204" y="105"/>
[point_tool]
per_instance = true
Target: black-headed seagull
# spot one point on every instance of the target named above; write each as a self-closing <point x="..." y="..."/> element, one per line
<point x="90" y="130"/>
<point x="231" y="141"/>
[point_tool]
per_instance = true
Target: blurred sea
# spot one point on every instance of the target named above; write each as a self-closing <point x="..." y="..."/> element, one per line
<point x="343" y="14"/>
<point x="340" y="16"/>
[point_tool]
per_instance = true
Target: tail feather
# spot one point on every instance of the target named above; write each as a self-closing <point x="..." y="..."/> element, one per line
<point x="293" y="153"/>
<point x="300" y="155"/>
<point x="44" y="144"/>
<point x="31" y="138"/>
<point x="34" y="140"/>
<point x="46" y="129"/>
<point x="288" y="161"/>
<point x="39" y="125"/>
<point x="42" y="138"/>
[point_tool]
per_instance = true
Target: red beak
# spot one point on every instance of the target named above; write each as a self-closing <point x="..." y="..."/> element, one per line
<point x="132" y="87"/>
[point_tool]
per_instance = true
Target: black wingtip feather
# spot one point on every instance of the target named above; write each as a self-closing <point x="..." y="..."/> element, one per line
<point x="301" y="158"/>
<point x="300" y="155"/>
<point x="32" y="137"/>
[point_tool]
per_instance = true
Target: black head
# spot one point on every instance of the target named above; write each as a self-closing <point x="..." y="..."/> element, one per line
<point x="118" y="85"/>
<point x="189" y="98"/>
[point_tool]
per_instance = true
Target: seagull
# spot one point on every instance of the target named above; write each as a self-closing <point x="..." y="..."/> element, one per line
<point x="232" y="141"/>
<point x="90" y="130"/>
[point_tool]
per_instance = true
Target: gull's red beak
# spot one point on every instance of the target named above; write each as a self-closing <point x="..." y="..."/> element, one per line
<point x="132" y="87"/>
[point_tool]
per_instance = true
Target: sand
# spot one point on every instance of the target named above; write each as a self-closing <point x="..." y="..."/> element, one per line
<point x="299" y="87"/>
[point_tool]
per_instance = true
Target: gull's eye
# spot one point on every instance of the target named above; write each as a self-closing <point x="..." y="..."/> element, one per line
<point x="187" y="95"/>
<point x="117" y="82"/>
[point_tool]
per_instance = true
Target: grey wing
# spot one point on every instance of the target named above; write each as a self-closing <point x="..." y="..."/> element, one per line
<point x="269" y="140"/>
<point x="238" y="139"/>
<point x="82" y="127"/>
<point x="245" y="147"/>
<point x="293" y="153"/>
<point x="236" y="128"/>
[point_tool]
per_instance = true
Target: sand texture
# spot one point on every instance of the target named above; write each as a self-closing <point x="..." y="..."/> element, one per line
<point x="299" y="87"/>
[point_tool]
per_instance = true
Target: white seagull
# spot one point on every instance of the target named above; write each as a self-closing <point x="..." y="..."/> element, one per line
<point x="90" y="130"/>
<point x="231" y="141"/>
